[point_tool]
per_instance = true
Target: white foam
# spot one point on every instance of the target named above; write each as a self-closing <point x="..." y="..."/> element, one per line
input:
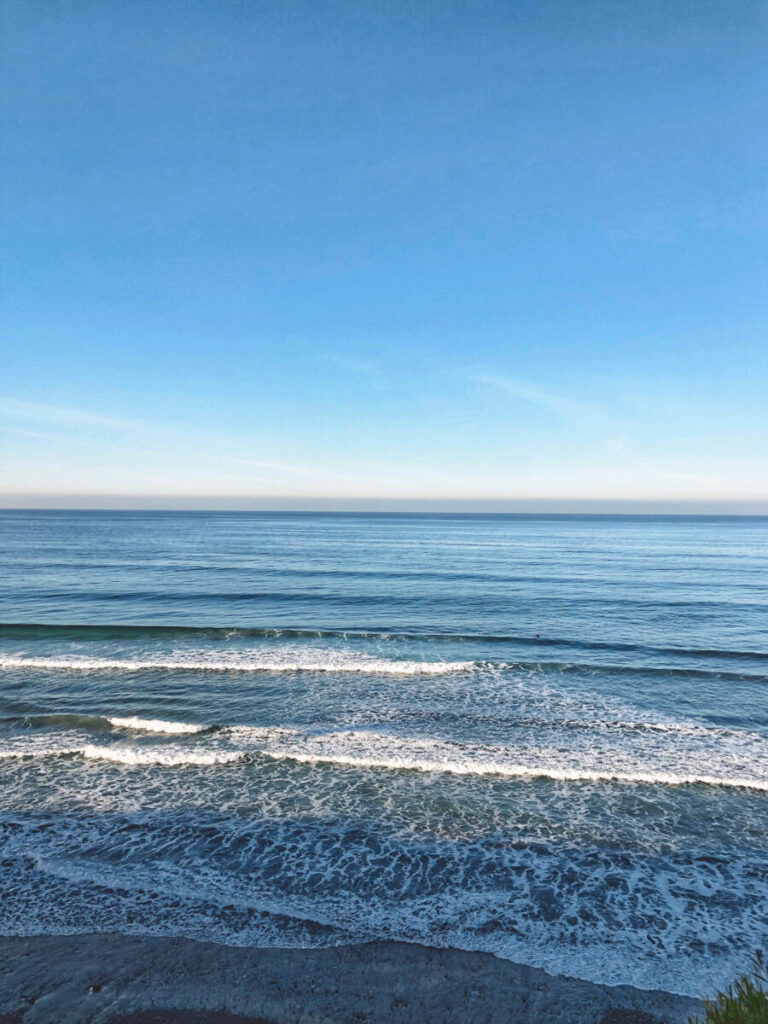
<point x="689" y="761"/>
<point x="610" y="945"/>
<point x="271" y="661"/>
<point x="127" y="755"/>
<point x="156" y="725"/>
<point x="7" y="755"/>
<point x="394" y="762"/>
<point x="470" y="767"/>
<point x="624" y="748"/>
<point x="158" y="755"/>
<point x="680" y="728"/>
<point x="43" y="745"/>
<point x="368" y="749"/>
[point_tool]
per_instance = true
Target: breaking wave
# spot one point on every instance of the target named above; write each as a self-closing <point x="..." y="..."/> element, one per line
<point x="671" y="765"/>
<point x="331" y="661"/>
<point x="156" y="725"/>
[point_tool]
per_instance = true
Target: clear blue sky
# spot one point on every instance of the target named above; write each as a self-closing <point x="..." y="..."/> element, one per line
<point x="503" y="250"/>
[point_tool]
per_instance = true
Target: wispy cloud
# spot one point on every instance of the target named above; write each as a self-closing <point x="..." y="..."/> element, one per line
<point x="547" y="400"/>
<point x="41" y="412"/>
<point x="691" y="478"/>
<point x="172" y="441"/>
<point x="38" y="435"/>
<point x="371" y="371"/>
<point x="278" y="467"/>
<point x="355" y="364"/>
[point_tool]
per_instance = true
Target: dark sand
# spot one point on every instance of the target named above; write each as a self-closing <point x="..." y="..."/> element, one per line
<point x="116" y="979"/>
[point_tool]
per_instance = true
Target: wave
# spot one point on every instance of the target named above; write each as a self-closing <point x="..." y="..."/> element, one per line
<point x="331" y="661"/>
<point x="615" y="725"/>
<point x="479" y="602"/>
<point x="388" y="752"/>
<point x="155" y="755"/>
<point x="157" y="725"/>
<point x="196" y="569"/>
<point x="514" y="771"/>
<point x="61" y="720"/>
<point x="106" y="631"/>
<point x="521" y="727"/>
<point x="372" y="750"/>
<point x="340" y="661"/>
<point x="106" y="723"/>
<point x="181" y="759"/>
<point x="102" y="723"/>
<point x="127" y="755"/>
<point x="524" y="771"/>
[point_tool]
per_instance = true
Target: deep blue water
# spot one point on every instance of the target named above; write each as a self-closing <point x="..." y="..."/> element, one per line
<point x="542" y="736"/>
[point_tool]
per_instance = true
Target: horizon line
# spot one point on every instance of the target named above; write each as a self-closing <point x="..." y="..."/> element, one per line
<point x="33" y="502"/>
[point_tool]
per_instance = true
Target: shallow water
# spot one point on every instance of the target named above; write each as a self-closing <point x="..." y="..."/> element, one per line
<point x="546" y="737"/>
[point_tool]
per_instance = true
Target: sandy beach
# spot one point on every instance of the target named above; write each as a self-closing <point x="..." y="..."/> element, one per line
<point x="106" y="979"/>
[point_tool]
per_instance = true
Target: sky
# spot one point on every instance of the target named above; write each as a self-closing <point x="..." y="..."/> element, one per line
<point x="495" y="254"/>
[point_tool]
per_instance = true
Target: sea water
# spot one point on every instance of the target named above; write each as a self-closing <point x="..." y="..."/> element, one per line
<point x="545" y="737"/>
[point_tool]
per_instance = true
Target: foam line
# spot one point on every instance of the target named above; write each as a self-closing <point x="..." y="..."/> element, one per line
<point x="389" y="762"/>
<point x="156" y="725"/>
<point x="359" y="664"/>
<point x="520" y="771"/>
<point x="150" y="755"/>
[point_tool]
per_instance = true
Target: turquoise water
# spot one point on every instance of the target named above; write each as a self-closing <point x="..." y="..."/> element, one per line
<point x="540" y="736"/>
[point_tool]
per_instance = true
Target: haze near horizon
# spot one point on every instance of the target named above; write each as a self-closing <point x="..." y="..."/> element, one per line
<point x="351" y="255"/>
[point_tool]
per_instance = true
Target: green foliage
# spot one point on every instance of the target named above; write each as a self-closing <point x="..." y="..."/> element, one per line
<point x="743" y="1002"/>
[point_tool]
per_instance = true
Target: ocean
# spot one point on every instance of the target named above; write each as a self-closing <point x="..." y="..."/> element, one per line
<point x="545" y="737"/>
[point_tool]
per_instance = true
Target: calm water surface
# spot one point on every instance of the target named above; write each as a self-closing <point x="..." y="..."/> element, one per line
<point x="545" y="737"/>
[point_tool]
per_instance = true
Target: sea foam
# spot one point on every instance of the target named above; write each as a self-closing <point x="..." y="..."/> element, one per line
<point x="657" y="758"/>
<point x="267" y="661"/>
<point x="156" y="725"/>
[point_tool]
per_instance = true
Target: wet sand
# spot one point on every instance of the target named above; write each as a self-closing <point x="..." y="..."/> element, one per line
<point x="116" y="979"/>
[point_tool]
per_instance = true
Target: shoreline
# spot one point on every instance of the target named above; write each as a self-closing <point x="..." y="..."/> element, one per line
<point x="122" y="979"/>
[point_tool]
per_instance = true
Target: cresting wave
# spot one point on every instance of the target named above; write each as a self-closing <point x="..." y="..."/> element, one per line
<point x="105" y="723"/>
<point x="156" y="725"/>
<point x="24" y="630"/>
<point x="102" y="723"/>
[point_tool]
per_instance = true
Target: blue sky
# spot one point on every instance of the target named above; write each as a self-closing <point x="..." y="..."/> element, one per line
<point x="508" y="250"/>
